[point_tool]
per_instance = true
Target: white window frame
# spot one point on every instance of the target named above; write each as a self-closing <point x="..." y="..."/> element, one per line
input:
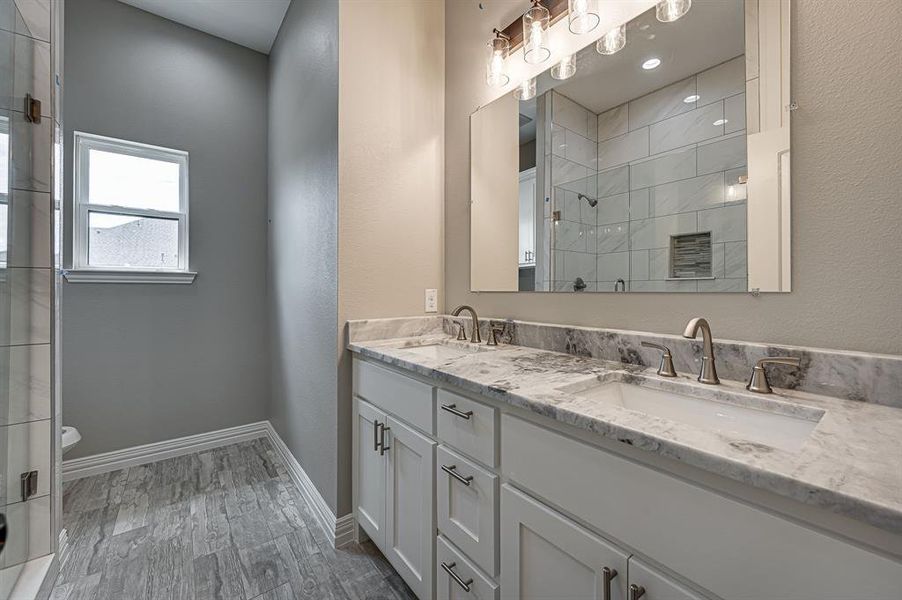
<point x="81" y="270"/>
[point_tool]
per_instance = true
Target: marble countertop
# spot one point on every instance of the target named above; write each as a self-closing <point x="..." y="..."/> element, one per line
<point x="850" y="464"/>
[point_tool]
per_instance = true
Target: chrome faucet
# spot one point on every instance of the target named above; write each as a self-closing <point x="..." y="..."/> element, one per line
<point x="708" y="373"/>
<point x="474" y="335"/>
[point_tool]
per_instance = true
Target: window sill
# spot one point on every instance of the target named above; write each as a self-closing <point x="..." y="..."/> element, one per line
<point x="98" y="276"/>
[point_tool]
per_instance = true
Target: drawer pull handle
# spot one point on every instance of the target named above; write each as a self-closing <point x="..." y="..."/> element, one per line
<point x="382" y="447"/>
<point x="376" y="435"/>
<point x="608" y="574"/>
<point x="452" y="471"/>
<point x="636" y="591"/>
<point x="449" y="569"/>
<point x="452" y="408"/>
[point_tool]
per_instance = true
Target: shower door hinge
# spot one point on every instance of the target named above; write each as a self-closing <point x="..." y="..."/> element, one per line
<point x="29" y="484"/>
<point x="32" y="109"/>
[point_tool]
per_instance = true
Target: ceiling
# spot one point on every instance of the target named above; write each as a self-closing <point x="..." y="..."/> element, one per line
<point x="250" y="23"/>
<point x="711" y="33"/>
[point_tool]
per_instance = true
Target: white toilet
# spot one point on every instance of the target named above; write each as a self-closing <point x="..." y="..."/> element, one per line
<point x="70" y="438"/>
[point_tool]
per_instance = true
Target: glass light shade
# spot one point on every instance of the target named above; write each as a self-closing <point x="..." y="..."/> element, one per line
<point x="668" y="11"/>
<point x="496" y="52"/>
<point x="564" y="69"/>
<point x="526" y="90"/>
<point x="612" y="42"/>
<point x="535" y="34"/>
<point x="583" y="16"/>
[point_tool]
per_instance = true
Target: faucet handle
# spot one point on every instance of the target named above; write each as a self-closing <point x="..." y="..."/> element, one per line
<point x="666" y="367"/>
<point x="494" y="331"/>
<point x="758" y="381"/>
<point x="461" y="331"/>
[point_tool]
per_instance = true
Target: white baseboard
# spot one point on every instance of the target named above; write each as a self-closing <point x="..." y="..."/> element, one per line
<point x="340" y="531"/>
<point x="96" y="464"/>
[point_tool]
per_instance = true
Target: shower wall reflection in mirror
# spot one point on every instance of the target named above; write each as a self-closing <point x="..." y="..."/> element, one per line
<point x="661" y="168"/>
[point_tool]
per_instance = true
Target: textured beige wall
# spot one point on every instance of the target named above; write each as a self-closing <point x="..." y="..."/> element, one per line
<point x="846" y="192"/>
<point x="390" y="173"/>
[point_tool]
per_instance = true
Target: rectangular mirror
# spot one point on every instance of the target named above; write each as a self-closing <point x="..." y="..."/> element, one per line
<point x="663" y="167"/>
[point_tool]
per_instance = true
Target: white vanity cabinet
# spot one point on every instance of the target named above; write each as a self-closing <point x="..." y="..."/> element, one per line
<point x="472" y="498"/>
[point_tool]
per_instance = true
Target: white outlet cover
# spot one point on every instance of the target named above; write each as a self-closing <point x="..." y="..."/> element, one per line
<point x="431" y="301"/>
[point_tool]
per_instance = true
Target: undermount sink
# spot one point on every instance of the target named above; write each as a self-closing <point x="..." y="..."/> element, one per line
<point x="441" y="351"/>
<point x="762" y="424"/>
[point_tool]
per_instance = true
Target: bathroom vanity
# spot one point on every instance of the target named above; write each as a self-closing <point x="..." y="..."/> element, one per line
<point x="520" y="472"/>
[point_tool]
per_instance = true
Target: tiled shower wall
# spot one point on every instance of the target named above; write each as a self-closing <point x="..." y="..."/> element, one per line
<point x="658" y="166"/>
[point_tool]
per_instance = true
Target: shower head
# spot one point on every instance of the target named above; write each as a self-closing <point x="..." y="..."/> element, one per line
<point x="592" y="202"/>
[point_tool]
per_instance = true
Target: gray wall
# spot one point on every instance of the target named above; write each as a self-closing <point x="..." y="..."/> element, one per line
<point x="846" y="182"/>
<point x="143" y="363"/>
<point x="303" y="238"/>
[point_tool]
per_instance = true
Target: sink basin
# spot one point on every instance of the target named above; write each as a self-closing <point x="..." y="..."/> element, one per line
<point x="440" y="351"/>
<point x="763" y="424"/>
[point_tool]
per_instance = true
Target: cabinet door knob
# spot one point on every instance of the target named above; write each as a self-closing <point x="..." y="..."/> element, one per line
<point x="608" y="573"/>
<point x="449" y="569"/>
<point x="636" y="591"/>
<point x="452" y="408"/>
<point x="452" y="471"/>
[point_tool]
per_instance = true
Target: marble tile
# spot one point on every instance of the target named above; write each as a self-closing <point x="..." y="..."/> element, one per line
<point x="25" y="300"/>
<point x="613" y="266"/>
<point x="734" y="112"/>
<point x="32" y="75"/>
<point x="613" y="181"/>
<point x="728" y="153"/>
<point x="623" y="149"/>
<point x="638" y="265"/>
<point x="613" y="209"/>
<point x="612" y="238"/>
<point x="30" y="153"/>
<point x="613" y="122"/>
<point x="735" y="260"/>
<point x="570" y="236"/>
<point x="26" y="371"/>
<point x="726" y="224"/>
<point x="592" y="126"/>
<point x="579" y="264"/>
<point x="569" y="114"/>
<point x="28" y="221"/>
<point x="655" y="232"/>
<point x="639" y="204"/>
<point x="717" y="260"/>
<point x="32" y="522"/>
<point x="564" y="171"/>
<point x="696" y="193"/>
<point x="27" y="17"/>
<point x="27" y="449"/>
<point x="688" y="128"/>
<point x="558" y="140"/>
<point x="659" y="105"/>
<point x="679" y="164"/>
<point x="581" y="150"/>
<point x="659" y="263"/>
<point x="724" y="80"/>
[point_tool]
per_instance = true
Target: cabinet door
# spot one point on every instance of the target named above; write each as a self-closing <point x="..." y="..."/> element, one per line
<point x="545" y="555"/>
<point x="371" y="472"/>
<point x="653" y="585"/>
<point x="410" y="503"/>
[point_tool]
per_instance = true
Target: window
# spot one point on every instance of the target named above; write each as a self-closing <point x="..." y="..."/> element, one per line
<point x="4" y="190"/>
<point x="130" y="217"/>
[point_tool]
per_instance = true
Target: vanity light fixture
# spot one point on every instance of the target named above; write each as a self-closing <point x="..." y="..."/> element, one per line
<point x="583" y="16"/>
<point x="496" y="52"/>
<point x="564" y="69"/>
<point x="535" y="34"/>
<point x="651" y="63"/>
<point x="526" y="90"/>
<point x="612" y="42"/>
<point x="691" y="99"/>
<point x="668" y="11"/>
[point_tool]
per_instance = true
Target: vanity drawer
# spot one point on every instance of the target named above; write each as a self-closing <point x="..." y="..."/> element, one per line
<point x="407" y="398"/>
<point x="737" y="551"/>
<point x="467" y="505"/>
<point x="467" y="426"/>
<point x="447" y="588"/>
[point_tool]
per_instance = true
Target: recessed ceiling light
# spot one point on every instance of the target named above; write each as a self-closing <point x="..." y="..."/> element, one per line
<point x="691" y="99"/>
<point x="720" y="122"/>
<point x="651" y="63"/>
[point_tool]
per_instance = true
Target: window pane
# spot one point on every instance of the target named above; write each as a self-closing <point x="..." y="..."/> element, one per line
<point x="132" y="181"/>
<point x="129" y="241"/>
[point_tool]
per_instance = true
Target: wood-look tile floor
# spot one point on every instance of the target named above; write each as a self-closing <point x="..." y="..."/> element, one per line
<point x="225" y="523"/>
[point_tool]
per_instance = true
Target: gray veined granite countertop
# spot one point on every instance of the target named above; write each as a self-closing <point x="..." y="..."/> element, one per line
<point x="851" y="463"/>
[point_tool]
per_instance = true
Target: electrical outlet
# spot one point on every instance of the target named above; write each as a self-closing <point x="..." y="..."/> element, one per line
<point x="431" y="301"/>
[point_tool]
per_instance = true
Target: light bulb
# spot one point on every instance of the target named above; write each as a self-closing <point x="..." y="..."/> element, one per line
<point x="583" y="16"/>
<point x="612" y="42"/>
<point x="496" y="53"/>
<point x="668" y="11"/>
<point x="526" y="90"/>
<point x="564" y="69"/>
<point x="535" y="25"/>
